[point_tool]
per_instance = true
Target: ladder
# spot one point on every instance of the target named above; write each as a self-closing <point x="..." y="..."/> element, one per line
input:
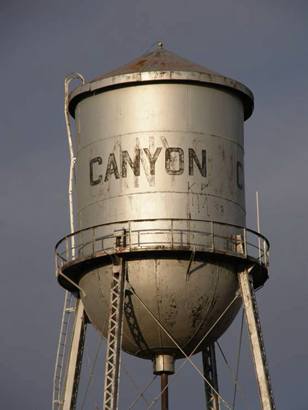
<point x="68" y="309"/>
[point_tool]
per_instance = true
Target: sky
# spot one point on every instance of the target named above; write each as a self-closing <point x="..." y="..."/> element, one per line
<point x="261" y="43"/>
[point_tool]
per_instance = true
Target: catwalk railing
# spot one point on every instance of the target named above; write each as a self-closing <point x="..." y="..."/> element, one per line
<point x="164" y="234"/>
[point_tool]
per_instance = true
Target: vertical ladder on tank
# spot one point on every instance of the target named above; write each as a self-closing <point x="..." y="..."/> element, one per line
<point x="256" y="338"/>
<point x="115" y="333"/>
<point x="65" y="388"/>
<point x="68" y="309"/>
<point x="210" y="373"/>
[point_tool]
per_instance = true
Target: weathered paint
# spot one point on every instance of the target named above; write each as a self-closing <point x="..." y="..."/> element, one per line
<point x="162" y="65"/>
<point x="174" y="164"/>
<point x="176" y="154"/>
<point x="164" y="149"/>
<point x="187" y="308"/>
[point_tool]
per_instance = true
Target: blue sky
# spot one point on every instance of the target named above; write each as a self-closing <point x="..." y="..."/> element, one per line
<point x="261" y="43"/>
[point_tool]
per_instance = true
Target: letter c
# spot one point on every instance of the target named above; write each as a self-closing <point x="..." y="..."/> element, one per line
<point x="98" y="180"/>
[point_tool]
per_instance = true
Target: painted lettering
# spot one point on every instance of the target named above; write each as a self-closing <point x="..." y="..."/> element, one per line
<point x="192" y="158"/>
<point x="134" y="164"/>
<point x="98" y="179"/>
<point x="112" y="168"/>
<point x="239" y="175"/>
<point x="174" y="161"/>
<point x="175" y="157"/>
<point x="152" y="159"/>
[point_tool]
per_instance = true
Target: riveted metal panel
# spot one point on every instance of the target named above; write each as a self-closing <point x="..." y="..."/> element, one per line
<point x="164" y="66"/>
<point x="162" y="150"/>
<point x="187" y="309"/>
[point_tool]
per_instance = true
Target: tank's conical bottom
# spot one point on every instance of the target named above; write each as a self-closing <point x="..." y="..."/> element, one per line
<point x="186" y="305"/>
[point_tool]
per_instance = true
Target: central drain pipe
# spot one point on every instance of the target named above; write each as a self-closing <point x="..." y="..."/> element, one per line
<point x="164" y="366"/>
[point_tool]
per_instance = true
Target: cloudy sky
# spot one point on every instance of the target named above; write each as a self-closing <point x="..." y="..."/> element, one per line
<point x="261" y="43"/>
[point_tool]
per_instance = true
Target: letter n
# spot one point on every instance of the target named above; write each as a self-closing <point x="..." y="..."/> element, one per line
<point x="194" y="159"/>
<point x="134" y="164"/>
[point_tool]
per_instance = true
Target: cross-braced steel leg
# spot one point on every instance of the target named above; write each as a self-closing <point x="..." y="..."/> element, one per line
<point x="75" y="358"/>
<point x="210" y="373"/>
<point x="114" y="339"/>
<point x="256" y="339"/>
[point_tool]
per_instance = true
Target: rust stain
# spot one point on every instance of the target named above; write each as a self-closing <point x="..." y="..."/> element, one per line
<point x="197" y="312"/>
<point x="139" y="63"/>
<point x="171" y="312"/>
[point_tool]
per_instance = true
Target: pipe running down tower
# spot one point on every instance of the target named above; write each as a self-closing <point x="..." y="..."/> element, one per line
<point x="161" y="260"/>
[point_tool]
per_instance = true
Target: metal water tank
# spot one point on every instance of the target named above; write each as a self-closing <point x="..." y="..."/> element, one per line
<point x="160" y="175"/>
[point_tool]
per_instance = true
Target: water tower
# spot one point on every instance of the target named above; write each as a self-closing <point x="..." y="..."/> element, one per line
<point x="159" y="258"/>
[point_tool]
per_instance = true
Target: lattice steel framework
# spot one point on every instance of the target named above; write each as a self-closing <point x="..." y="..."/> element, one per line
<point x="118" y="308"/>
<point x="115" y="332"/>
<point x="210" y="373"/>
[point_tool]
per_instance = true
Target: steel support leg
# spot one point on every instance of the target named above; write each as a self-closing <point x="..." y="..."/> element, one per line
<point x="75" y="358"/>
<point x="256" y="339"/>
<point x="114" y="339"/>
<point x="210" y="373"/>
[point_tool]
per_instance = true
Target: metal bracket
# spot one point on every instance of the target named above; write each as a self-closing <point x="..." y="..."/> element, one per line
<point x="192" y="257"/>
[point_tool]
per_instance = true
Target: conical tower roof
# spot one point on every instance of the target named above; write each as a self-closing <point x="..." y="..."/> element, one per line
<point x="161" y="64"/>
<point x="160" y="59"/>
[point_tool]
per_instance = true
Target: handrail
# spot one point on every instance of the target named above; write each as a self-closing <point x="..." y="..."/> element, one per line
<point x="166" y="219"/>
<point x="235" y="240"/>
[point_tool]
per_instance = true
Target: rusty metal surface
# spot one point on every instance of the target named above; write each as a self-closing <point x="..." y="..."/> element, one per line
<point x="160" y="150"/>
<point x="162" y="65"/>
<point x="160" y="146"/>
<point x="187" y="309"/>
<point x="205" y="240"/>
<point x="168" y="234"/>
<point x="159" y="59"/>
